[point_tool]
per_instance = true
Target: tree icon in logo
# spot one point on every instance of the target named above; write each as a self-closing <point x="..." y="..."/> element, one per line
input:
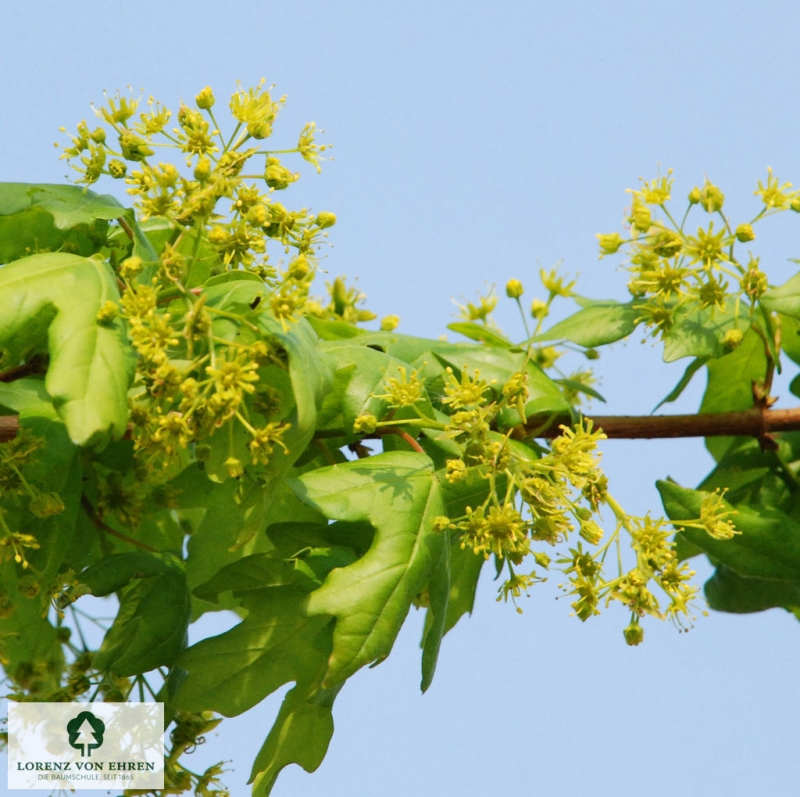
<point x="86" y="732"/>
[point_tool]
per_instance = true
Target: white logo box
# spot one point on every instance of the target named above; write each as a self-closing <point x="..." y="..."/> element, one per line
<point x="85" y="746"/>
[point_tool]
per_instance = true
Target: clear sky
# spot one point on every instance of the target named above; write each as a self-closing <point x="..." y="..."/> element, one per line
<point x="475" y="142"/>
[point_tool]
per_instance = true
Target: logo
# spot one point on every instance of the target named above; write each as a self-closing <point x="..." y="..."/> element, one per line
<point x="86" y="732"/>
<point x="103" y="746"/>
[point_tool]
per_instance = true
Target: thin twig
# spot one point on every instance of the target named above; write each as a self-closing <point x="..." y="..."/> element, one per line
<point x="93" y="516"/>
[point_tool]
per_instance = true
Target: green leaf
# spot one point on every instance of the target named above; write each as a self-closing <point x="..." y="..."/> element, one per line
<point x="277" y="642"/>
<point x="699" y="333"/>
<point x="784" y="299"/>
<point x="398" y="494"/>
<point x="149" y="630"/>
<point x="480" y="333"/>
<point x="334" y="330"/>
<point x="790" y="338"/>
<point x="361" y="372"/>
<point x="437" y="614"/>
<point x="55" y="298"/>
<point x="27" y="397"/>
<point x="301" y="735"/>
<point x="596" y="325"/>
<point x="500" y="365"/>
<point x="754" y="477"/>
<point x="115" y="571"/>
<point x="767" y="548"/>
<point x="69" y="205"/>
<point x="40" y="218"/>
<point x="730" y="385"/>
<point x="579" y="387"/>
<point x="58" y="471"/>
<point x="727" y="592"/>
<point x="28" y="641"/>
<point x="691" y="369"/>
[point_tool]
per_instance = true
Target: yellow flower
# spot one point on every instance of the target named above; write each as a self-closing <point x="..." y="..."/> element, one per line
<point x="256" y="109"/>
<point x="555" y="284"/>
<point x="609" y="244"/>
<point x="657" y="191"/>
<point x="466" y="393"/>
<point x="774" y="195"/>
<point x="405" y="391"/>
<point x="707" y="248"/>
<point x="481" y="311"/>
<point x="309" y="150"/>
<point x="714" y="517"/>
<point x="264" y="441"/>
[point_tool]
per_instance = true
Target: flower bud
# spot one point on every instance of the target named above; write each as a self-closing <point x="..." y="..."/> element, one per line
<point x="389" y="323"/>
<point x="98" y="135"/>
<point x="298" y="268"/>
<point x="218" y="235"/>
<point x="259" y="215"/>
<point x="591" y="532"/>
<point x="117" y="169"/>
<point x="234" y="467"/>
<point x="365" y="424"/>
<point x="107" y="313"/>
<point x="541" y="559"/>
<point x="694" y="196"/>
<point x="744" y="233"/>
<point x="325" y="219"/>
<point x="539" y="309"/>
<point x="205" y="99"/>
<point x="514" y="289"/>
<point x="278" y="176"/>
<point x="634" y="634"/>
<point x="133" y="148"/>
<point x="795" y="204"/>
<point x="203" y="169"/>
<point x="641" y="217"/>
<point x="711" y="198"/>
<point x="131" y="266"/>
<point x="732" y="339"/>
<point x="609" y="244"/>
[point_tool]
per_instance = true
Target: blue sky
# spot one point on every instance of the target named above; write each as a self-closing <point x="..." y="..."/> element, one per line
<point x="476" y="142"/>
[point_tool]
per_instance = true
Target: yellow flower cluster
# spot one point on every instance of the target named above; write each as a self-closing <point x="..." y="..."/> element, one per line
<point x="672" y="269"/>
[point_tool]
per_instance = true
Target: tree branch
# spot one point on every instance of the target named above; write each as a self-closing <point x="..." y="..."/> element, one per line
<point x="756" y="422"/>
<point x="37" y="365"/>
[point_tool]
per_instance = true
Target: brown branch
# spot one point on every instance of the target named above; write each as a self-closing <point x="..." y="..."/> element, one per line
<point x="756" y="422"/>
<point x="400" y="433"/>
<point x="36" y="365"/>
<point x="125" y="227"/>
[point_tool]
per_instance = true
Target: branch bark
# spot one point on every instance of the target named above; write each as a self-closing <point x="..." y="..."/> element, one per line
<point x="755" y="422"/>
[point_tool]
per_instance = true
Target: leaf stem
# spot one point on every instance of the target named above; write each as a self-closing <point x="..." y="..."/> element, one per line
<point x="96" y="521"/>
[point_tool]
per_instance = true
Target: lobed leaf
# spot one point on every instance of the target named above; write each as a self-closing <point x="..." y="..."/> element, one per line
<point x="53" y="300"/>
<point x="398" y="494"/>
<point x="768" y="547"/>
